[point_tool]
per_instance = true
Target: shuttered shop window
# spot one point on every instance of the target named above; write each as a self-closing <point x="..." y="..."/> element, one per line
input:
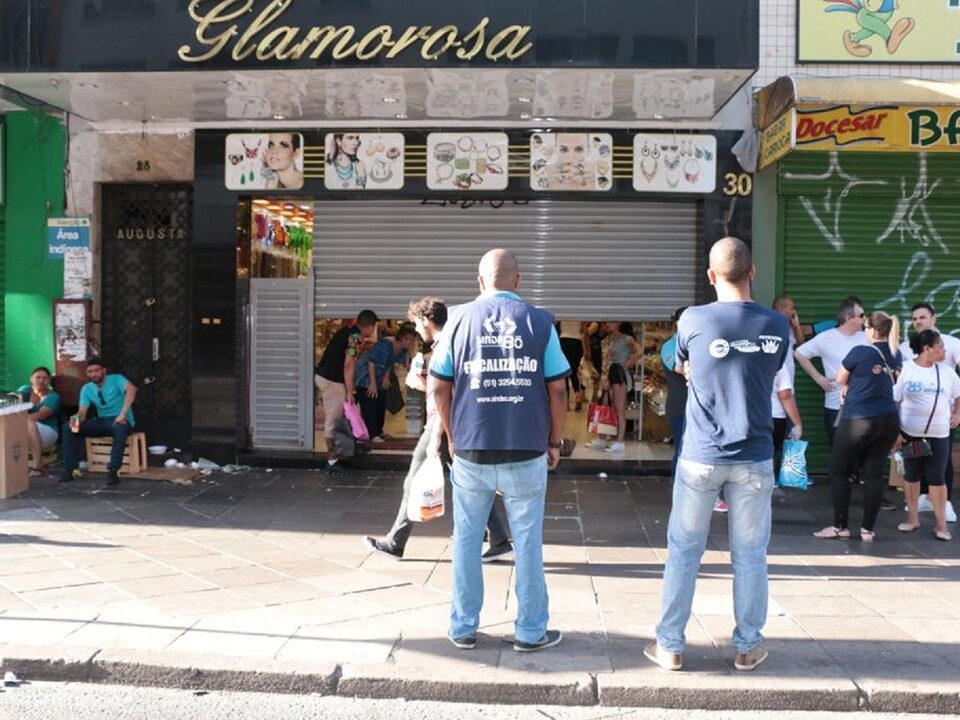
<point x="281" y="382"/>
<point x="631" y="260"/>
<point x="885" y="227"/>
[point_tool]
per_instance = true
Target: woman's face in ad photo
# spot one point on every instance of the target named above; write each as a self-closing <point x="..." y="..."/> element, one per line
<point x="280" y="153"/>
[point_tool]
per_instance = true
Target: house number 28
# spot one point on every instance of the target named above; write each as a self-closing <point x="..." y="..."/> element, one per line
<point x="740" y="184"/>
<point x="143" y="166"/>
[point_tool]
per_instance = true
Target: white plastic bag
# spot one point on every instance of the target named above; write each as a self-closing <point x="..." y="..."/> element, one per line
<point x="425" y="502"/>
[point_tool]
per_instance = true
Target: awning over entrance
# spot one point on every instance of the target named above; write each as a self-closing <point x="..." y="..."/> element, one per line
<point x="859" y="115"/>
<point x="308" y="61"/>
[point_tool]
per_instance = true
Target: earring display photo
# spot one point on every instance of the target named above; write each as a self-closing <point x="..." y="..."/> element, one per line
<point x="672" y="163"/>
<point x="571" y="162"/>
<point x="263" y="161"/>
<point x="467" y="161"/>
<point x="363" y="161"/>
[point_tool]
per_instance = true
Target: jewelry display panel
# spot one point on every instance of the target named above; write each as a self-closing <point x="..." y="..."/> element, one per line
<point x="467" y="161"/>
<point x="363" y="161"/>
<point x="263" y="161"/>
<point x="674" y="163"/>
<point x="571" y="162"/>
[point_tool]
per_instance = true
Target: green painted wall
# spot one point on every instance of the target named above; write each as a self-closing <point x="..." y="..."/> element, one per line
<point x="35" y="153"/>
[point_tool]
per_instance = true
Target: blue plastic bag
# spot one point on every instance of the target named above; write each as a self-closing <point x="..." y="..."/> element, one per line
<point x="793" y="469"/>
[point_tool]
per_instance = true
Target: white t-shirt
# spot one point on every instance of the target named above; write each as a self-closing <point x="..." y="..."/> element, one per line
<point x="951" y="346"/>
<point x="570" y="329"/>
<point x="782" y="381"/>
<point x="831" y="347"/>
<point x="916" y="389"/>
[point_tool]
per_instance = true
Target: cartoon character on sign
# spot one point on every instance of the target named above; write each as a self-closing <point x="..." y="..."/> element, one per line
<point x="873" y="17"/>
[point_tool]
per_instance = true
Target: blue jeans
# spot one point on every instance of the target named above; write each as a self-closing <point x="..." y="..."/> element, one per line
<point x="748" y="488"/>
<point x="95" y="427"/>
<point x="524" y="489"/>
<point x="677" y="426"/>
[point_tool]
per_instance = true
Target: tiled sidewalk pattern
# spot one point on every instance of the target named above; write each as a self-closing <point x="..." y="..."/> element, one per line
<point x="268" y="565"/>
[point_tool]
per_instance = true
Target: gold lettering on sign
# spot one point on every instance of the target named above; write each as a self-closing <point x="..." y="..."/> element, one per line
<point x="230" y="26"/>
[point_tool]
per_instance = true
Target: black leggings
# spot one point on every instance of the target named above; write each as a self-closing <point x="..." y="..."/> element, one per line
<point x="866" y="441"/>
<point x="573" y="351"/>
<point x="779" y="435"/>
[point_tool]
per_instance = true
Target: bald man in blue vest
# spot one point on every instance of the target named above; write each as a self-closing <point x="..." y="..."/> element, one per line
<point x="502" y="399"/>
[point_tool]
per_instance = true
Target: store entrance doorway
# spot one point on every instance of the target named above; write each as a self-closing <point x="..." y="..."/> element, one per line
<point x="145" y="291"/>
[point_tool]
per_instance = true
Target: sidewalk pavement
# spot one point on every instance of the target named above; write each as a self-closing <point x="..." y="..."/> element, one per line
<point x="259" y="581"/>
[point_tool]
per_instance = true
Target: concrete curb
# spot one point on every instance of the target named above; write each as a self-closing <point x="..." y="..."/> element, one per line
<point x="475" y="685"/>
<point x="706" y="691"/>
<point x="169" y="670"/>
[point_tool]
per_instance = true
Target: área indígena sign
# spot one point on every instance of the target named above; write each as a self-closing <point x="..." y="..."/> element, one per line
<point x="232" y="28"/>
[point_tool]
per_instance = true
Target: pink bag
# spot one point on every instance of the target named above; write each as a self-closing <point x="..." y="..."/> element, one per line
<point x="359" y="428"/>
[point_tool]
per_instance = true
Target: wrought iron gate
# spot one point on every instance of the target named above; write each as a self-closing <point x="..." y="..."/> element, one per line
<point x="145" y="291"/>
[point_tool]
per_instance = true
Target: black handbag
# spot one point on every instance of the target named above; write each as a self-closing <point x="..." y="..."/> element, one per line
<point x="921" y="448"/>
<point x="394" y="398"/>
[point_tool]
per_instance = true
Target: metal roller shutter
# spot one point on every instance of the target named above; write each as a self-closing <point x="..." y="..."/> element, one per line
<point x="620" y="260"/>
<point x="884" y="227"/>
<point x="281" y="376"/>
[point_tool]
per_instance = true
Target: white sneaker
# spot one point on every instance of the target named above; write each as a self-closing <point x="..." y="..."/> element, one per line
<point x="951" y="513"/>
<point x="597" y="444"/>
<point x="925" y="505"/>
<point x="617" y="447"/>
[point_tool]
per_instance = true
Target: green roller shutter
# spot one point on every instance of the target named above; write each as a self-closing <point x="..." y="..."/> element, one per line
<point x="882" y="226"/>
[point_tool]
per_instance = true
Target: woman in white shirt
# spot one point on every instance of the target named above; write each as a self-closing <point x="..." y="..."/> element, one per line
<point x="929" y="397"/>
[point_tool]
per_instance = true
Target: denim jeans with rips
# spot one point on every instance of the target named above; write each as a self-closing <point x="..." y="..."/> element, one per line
<point x="524" y="489"/>
<point x="747" y="488"/>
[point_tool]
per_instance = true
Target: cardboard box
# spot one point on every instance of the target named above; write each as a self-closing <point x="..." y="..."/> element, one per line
<point x="14" y="478"/>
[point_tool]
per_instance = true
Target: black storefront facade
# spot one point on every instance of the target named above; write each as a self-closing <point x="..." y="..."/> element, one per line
<point x="625" y="76"/>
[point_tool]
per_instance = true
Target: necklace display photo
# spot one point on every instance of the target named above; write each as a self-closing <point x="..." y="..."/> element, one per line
<point x="345" y="173"/>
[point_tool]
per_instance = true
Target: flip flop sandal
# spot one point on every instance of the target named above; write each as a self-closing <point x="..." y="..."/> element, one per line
<point x="867" y="536"/>
<point x="943" y="535"/>
<point x="907" y="527"/>
<point x="832" y="533"/>
<point x="35" y="473"/>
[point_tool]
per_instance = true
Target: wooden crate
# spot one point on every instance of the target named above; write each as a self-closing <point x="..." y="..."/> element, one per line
<point x="134" y="455"/>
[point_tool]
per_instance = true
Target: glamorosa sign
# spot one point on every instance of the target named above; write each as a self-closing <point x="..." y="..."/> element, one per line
<point x="882" y="128"/>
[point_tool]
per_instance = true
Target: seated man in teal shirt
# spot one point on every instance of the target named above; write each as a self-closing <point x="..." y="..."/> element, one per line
<point x="43" y="420"/>
<point x="112" y="396"/>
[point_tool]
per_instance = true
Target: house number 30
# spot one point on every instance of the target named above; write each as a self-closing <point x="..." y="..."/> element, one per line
<point x="740" y="184"/>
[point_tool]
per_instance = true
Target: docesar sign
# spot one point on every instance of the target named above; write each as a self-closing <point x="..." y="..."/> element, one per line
<point x="881" y="128"/>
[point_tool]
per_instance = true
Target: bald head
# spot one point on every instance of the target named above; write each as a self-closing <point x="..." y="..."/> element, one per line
<point x="499" y="270"/>
<point x="730" y="261"/>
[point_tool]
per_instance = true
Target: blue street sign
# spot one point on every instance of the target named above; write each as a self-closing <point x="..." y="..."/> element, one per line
<point x="65" y="233"/>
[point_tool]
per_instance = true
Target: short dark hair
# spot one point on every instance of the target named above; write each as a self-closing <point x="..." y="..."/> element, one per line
<point x="780" y="301"/>
<point x="846" y="309"/>
<point x="731" y="260"/>
<point x="678" y="312"/>
<point x="924" y="306"/>
<point x="366" y="318"/>
<point x="96" y="360"/>
<point x="923" y="340"/>
<point x="407" y="330"/>
<point x="429" y="308"/>
<point x="41" y="368"/>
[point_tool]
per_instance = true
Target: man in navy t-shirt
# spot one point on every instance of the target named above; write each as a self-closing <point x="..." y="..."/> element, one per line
<point x="501" y="395"/>
<point x="731" y="351"/>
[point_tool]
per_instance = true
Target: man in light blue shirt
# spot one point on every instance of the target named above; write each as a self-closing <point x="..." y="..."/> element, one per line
<point x="112" y="397"/>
